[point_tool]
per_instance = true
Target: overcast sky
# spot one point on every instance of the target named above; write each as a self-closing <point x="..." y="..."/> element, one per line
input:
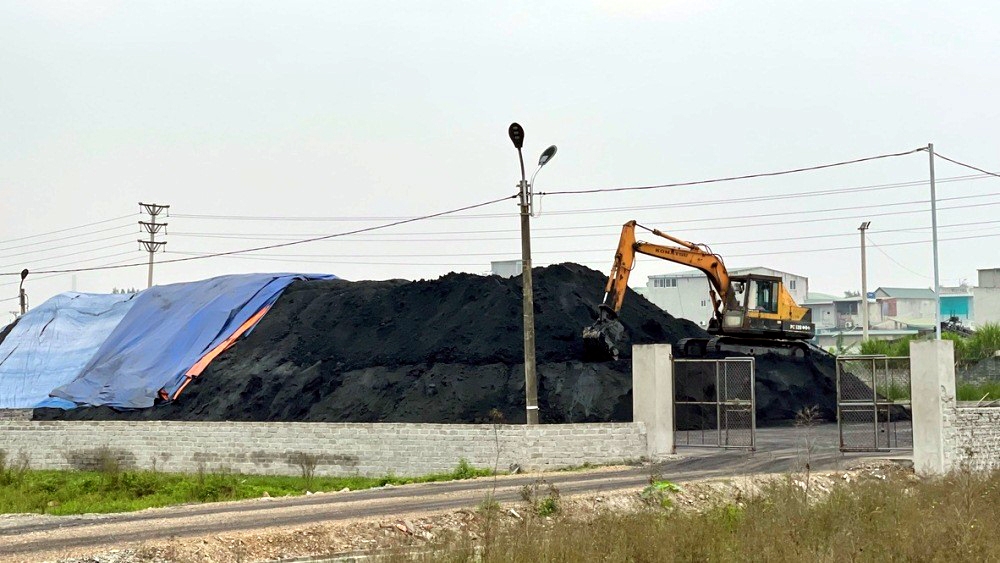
<point x="361" y="112"/>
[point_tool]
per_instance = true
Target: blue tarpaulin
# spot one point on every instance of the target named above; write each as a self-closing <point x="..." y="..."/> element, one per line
<point x="167" y="331"/>
<point x="52" y="343"/>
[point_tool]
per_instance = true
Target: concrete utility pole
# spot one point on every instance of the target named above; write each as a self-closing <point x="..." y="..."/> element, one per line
<point x="934" y="242"/>
<point x="152" y="227"/>
<point x="864" y="282"/>
<point x="516" y="134"/>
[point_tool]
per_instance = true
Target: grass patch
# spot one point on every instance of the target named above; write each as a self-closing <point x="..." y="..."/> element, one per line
<point x="989" y="390"/>
<point x="953" y="518"/>
<point x="112" y="489"/>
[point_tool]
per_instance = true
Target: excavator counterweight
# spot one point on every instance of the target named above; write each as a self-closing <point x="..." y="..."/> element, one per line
<point x="752" y="313"/>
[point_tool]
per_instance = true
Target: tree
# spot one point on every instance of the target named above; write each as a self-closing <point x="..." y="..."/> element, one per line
<point x="850" y="293"/>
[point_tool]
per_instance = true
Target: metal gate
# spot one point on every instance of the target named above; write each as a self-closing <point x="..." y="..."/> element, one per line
<point x="873" y="403"/>
<point x="714" y="403"/>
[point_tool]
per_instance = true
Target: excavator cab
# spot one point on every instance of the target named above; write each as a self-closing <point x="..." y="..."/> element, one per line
<point x="761" y="307"/>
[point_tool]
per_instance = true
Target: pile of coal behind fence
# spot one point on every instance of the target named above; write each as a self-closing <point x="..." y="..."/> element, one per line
<point x="444" y="350"/>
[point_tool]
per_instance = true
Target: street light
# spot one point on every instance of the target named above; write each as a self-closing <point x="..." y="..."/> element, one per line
<point x="516" y="134"/>
<point x="22" y="298"/>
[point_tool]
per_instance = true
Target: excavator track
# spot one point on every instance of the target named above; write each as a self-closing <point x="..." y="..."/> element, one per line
<point x="701" y="347"/>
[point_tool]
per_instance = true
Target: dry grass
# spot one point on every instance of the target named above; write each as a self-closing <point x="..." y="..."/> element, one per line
<point x="955" y="518"/>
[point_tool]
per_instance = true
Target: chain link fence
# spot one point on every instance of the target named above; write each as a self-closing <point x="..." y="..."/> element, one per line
<point x="714" y="403"/>
<point x="873" y="403"/>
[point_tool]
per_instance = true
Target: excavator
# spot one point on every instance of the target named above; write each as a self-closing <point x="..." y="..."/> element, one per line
<point x="753" y="313"/>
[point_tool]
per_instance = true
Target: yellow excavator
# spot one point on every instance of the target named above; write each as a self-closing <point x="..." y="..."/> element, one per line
<point x="753" y="313"/>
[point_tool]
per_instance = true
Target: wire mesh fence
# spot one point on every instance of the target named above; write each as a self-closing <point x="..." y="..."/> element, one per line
<point x="873" y="403"/>
<point x="714" y="403"/>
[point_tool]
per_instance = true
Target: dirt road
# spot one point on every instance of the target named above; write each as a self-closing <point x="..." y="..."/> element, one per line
<point x="43" y="537"/>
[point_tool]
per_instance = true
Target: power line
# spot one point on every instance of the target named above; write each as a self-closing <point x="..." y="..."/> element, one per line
<point x="50" y="258"/>
<point x="564" y="251"/>
<point x="285" y="244"/>
<point x="670" y="206"/>
<point x="60" y="247"/>
<point x="242" y="236"/>
<point x="734" y="178"/>
<point x="77" y="235"/>
<point x="809" y="193"/>
<point x="351" y="261"/>
<point x="68" y="229"/>
<point x="35" y="278"/>
<point x="969" y="166"/>
<point x="894" y="261"/>
<point x="590" y="235"/>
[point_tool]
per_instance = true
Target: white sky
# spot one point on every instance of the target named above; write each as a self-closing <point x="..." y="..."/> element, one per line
<point x="374" y="109"/>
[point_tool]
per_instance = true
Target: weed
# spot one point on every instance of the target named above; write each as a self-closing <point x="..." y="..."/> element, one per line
<point x="465" y="470"/>
<point x="541" y="505"/>
<point x="307" y="464"/>
<point x="658" y="492"/>
<point x="489" y="505"/>
<point x="952" y="518"/>
<point x="12" y="472"/>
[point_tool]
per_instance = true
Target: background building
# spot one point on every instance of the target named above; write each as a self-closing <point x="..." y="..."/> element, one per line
<point x="986" y="297"/>
<point x="906" y="307"/>
<point x="506" y="268"/>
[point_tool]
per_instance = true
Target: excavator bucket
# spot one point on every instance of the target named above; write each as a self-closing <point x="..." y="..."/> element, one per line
<point x="605" y="339"/>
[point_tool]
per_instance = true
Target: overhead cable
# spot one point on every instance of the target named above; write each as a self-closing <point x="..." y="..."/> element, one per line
<point x="283" y="244"/>
<point x="734" y="178"/>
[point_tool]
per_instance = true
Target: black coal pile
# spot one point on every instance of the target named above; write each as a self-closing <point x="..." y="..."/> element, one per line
<point x="445" y="350"/>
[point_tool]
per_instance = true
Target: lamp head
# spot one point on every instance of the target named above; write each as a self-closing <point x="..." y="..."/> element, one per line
<point x="547" y="155"/>
<point x="516" y="134"/>
<point x="24" y="274"/>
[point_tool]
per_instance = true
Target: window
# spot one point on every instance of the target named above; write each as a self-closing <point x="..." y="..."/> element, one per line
<point x="665" y="282"/>
<point x="704" y="303"/>
<point x="791" y="284"/>
<point x="762" y="297"/>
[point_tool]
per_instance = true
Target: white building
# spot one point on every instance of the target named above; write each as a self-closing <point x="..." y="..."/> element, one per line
<point x="506" y="268"/>
<point x="987" y="296"/>
<point x="823" y="313"/>
<point x="685" y="294"/>
<point x="906" y="307"/>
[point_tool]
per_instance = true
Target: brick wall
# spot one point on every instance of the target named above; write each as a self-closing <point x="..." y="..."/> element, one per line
<point x="338" y="448"/>
<point x="976" y="432"/>
<point x="15" y="414"/>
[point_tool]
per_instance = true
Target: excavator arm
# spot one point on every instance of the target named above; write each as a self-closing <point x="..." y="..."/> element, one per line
<point x="686" y="253"/>
<point x="607" y="336"/>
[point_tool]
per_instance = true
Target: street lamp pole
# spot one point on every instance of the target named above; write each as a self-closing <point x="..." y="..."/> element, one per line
<point x="23" y="297"/>
<point x="516" y="134"/>
<point x="864" y="283"/>
<point x="934" y="243"/>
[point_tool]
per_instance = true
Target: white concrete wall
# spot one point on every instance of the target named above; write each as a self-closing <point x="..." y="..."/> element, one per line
<point x="653" y="396"/>
<point x="948" y="436"/>
<point x="823" y="315"/>
<point x="989" y="277"/>
<point x="986" y="302"/>
<point x="272" y="448"/>
<point x="689" y="300"/>
<point x="915" y="308"/>
<point x="932" y="377"/>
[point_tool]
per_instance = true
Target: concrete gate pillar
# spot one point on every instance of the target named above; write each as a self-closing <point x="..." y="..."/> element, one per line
<point x="932" y="381"/>
<point x="653" y="396"/>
